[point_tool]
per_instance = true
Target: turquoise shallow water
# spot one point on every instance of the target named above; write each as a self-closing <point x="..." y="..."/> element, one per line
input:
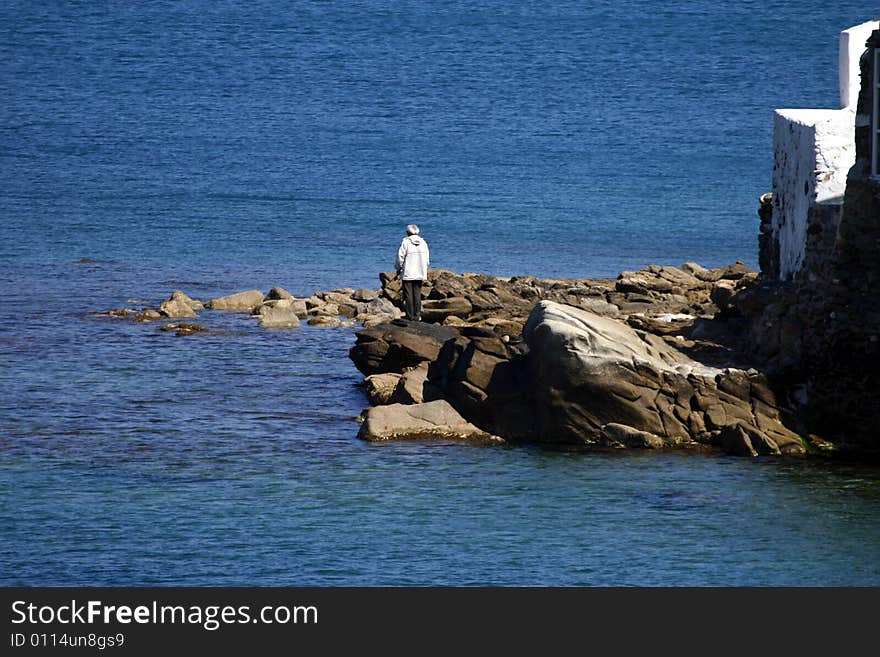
<point x="216" y="147"/>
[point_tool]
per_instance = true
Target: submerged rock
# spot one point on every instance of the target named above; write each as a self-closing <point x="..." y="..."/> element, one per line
<point x="148" y="315"/>
<point x="184" y="329"/>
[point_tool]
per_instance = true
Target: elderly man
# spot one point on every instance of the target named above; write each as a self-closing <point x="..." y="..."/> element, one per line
<point x="412" y="267"/>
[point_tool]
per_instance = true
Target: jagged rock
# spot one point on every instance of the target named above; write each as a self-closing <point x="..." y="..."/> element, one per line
<point x="178" y="305"/>
<point x="380" y="387"/>
<point x="445" y="284"/>
<point x="392" y="286"/>
<point x="743" y="440"/>
<point x="435" y="420"/>
<point x="394" y="347"/>
<point x="242" y="301"/>
<point x="485" y="378"/>
<point x="413" y="387"/>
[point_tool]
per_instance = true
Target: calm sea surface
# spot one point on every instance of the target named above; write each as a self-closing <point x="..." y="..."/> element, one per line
<point x="220" y="146"/>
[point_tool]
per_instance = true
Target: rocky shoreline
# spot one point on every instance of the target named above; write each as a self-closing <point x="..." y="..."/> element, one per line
<point x="658" y="358"/>
<point x="651" y="360"/>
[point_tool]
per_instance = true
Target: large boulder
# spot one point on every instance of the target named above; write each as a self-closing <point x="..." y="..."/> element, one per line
<point x="588" y="372"/>
<point x="435" y="420"/>
<point x="396" y="346"/>
<point x="242" y="301"/>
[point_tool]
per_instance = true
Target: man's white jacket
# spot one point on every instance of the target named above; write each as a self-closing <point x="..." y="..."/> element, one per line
<point x="412" y="259"/>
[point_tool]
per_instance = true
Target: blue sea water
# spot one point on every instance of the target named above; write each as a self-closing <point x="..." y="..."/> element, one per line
<point x="220" y="146"/>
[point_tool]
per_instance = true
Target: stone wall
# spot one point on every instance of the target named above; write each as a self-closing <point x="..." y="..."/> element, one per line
<point x="820" y="328"/>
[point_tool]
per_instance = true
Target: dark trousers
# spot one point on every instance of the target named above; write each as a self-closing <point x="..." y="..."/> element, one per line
<point x="412" y="299"/>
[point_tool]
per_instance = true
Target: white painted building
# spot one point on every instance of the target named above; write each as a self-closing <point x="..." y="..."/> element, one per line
<point x="813" y="150"/>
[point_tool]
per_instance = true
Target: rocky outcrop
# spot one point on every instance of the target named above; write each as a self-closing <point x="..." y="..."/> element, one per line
<point x="585" y="379"/>
<point x="502" y="305"/>
<point x="435" y="420"/>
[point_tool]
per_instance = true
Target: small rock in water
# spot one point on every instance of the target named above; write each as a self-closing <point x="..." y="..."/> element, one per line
<point x="324" y="321"/>
<point x="179" y="305"/>
<point x="184" y="329"/>
<point x="148" y="315"/>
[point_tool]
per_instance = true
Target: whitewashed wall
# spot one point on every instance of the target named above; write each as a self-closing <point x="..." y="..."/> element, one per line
<point x="851" y="47"/>
<point x="813" y="150"/>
